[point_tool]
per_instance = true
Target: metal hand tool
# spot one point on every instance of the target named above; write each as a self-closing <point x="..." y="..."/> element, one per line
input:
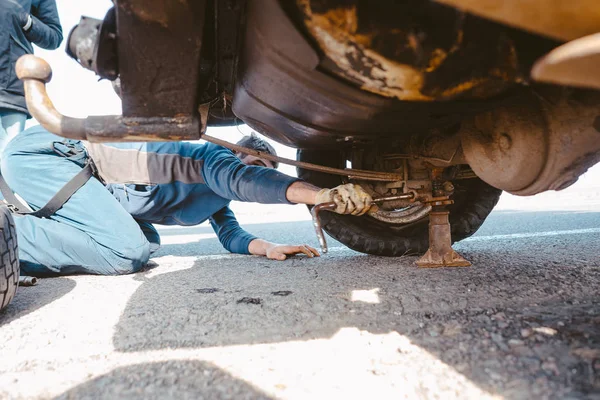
<point x="331" y="206"/>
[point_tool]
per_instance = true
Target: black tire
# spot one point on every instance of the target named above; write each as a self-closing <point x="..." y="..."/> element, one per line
<point x="9" y="263"/>
<point x="473" y="202"/>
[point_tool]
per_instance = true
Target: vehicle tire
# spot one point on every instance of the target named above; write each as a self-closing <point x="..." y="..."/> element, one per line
<point x="9" y="263"/>
<point x="473" y="202"/>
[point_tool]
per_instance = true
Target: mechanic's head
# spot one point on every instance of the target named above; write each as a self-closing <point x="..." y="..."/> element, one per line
<point x="255" y="143"/>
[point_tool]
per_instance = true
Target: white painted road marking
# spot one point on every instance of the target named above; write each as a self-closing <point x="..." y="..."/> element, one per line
<point x="532" y="234"/>
<point x="191" y="238"/>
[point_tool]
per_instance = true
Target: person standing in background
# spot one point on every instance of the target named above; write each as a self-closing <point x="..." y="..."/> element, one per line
<point x="22" y="23"/>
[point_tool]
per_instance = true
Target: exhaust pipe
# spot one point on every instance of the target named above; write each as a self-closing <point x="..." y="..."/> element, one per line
<point x="36" y="72"/>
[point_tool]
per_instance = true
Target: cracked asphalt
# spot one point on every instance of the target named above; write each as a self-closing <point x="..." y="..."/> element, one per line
<point x="199" y="323"/>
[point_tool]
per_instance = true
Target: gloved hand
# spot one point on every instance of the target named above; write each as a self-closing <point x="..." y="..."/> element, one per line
<point x="349" y="199"/>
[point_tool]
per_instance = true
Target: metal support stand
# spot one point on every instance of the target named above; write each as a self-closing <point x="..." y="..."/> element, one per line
<point x="440" y="253"/>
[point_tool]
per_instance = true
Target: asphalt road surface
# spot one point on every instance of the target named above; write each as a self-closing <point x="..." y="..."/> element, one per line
<point x="522" y="323"/>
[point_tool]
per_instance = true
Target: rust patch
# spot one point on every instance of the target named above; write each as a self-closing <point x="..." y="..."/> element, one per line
<point x="156" y="11"/>
<point x="412" y="50"/>
<point x="336" y="32"/>
<point x="343" y="18"/>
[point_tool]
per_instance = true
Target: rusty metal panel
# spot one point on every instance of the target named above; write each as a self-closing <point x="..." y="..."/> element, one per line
<point x="283" y="92"/>
<point x="159" y="43"/>
<point x="412" y="50"/>
<point x="559" y="19"/>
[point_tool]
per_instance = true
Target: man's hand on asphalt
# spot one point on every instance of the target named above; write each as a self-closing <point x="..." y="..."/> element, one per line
<point x="349" y="199"/>
<point x="276" y="251"/>
<point x="281" y="251"/>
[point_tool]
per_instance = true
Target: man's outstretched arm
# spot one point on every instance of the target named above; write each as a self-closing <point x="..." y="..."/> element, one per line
<point x="301" y="192"/>
<point x="228" y="177"/>
<point x="349" y="198"/>
<point x="237" y="240"/>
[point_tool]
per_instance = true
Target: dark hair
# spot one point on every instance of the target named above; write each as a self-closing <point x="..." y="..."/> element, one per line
<point x="255" y="143"/>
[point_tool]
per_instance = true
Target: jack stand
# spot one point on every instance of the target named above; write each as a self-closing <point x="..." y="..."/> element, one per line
<point x="440" y="253"/>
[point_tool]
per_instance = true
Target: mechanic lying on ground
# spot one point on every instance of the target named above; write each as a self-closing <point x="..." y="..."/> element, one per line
<point x="105" y="227"/>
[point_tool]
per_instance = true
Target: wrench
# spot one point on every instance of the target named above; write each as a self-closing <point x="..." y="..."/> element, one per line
<point x="331" y="206"/>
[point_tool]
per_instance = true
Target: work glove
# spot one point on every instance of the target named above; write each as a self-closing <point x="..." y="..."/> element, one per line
<point x="348" y="198"/>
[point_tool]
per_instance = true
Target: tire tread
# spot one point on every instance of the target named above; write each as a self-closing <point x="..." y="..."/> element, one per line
<point x="9" y="258"/>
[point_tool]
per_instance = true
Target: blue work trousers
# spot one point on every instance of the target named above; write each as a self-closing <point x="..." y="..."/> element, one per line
<point x="11" y="124"/>
<point x="92" y="233"/>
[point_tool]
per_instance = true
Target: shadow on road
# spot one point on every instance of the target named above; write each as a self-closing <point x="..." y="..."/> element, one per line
<point x="166" y="380"/>
<point x="283" y="232"/>
<point x="527" y="310"/>
<point x="29" y="299"/>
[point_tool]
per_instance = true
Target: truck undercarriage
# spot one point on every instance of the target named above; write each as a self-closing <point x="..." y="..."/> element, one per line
<point x="451" y="101"/>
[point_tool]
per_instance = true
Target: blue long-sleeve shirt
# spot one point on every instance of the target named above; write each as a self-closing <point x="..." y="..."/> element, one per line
<point x="178" y="183"/>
